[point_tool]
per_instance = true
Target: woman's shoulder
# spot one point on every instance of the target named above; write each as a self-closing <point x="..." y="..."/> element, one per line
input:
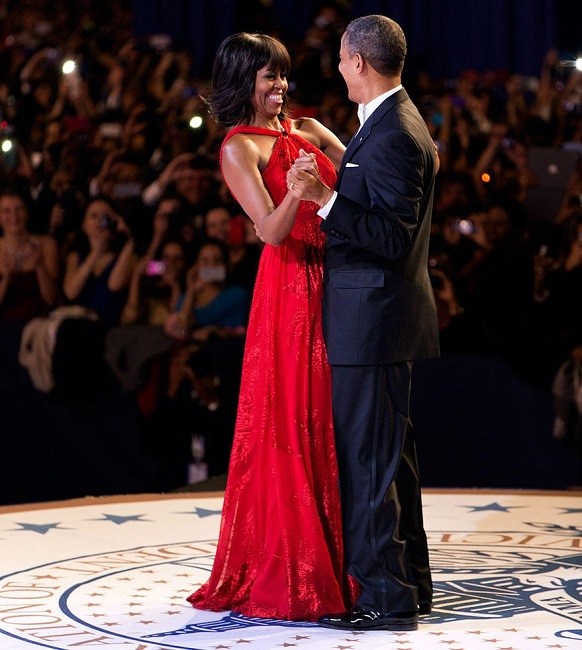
<point x="240" y="145"/>
<point x="306" y="126"/>
<point x="313" y="131"/>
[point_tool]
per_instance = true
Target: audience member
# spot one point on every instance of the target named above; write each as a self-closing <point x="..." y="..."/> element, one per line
<point x="244" y="247"/>
<point x="29" y="265"/>
<point x="98" y="269"/>
<point x="210" y="306"/>
<point x="115" y="158"/>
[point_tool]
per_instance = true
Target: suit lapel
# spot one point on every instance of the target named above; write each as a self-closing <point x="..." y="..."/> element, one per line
<point x="365" y="131"/>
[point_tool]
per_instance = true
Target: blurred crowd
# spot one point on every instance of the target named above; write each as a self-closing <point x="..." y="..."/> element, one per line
<point x="113" y="212"/>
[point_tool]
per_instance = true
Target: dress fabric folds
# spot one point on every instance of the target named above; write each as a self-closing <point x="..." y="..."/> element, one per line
<point x="280" y="551"/>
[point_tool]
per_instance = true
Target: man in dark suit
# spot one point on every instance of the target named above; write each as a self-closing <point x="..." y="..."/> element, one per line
<point x="379" y="315"/>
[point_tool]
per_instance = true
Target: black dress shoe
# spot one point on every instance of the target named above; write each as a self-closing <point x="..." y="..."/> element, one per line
<point x="364" y="619"/>
<point x="424" y="609"/>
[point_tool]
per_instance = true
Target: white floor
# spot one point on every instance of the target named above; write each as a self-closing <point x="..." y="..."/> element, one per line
<point x="114" y="572"/>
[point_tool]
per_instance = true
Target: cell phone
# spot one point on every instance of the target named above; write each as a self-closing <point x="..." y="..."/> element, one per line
<point x="107" y="223"/>
<point x="155" y="267"/>
<point x="212" y="273"/>
<point x="126" y="190"/>
<point x="36" y="158"/>
<point x="465" y="227"/>
<point x="508" y="143"/>
<point x="8" y="153"/>
<point x="110" y="130"/>
<point x="188" y="92"/>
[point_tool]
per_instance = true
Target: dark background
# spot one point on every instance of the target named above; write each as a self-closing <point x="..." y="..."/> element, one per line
<point x="477" y="424"/>
<point x="444" y="36"/>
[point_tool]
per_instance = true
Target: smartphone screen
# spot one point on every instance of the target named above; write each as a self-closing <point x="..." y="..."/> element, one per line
<point x="212" y="273"/>
<point x="155" y="267"/>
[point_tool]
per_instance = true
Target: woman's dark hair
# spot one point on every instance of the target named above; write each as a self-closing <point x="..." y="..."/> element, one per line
<point x="81" y="242"/>
<point x="237" y="62"/>
<point x="15" y="192"/>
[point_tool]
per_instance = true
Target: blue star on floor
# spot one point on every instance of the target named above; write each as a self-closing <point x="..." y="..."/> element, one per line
<point x="492" y="507"/>
<point x="118" y="519"/>
<point x="201" y="512"/>
<point x="42" y="529"/>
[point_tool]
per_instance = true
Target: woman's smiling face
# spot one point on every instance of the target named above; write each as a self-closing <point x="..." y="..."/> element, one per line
<point x="270" y="88"/>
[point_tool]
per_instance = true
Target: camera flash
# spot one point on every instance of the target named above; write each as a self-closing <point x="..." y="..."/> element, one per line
<point x="6" y="146"/>
<point x="68" y="66"/>
<point x="195" y="122"/>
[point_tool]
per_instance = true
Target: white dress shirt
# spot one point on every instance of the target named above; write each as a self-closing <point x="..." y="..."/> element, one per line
<point x="364" y="112"/>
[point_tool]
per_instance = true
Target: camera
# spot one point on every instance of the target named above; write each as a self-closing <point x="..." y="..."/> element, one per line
<point x="212" y="273"/>
<point x="188" y="92"/>
<point x="52" y="54"/>
<point x="73" y="78"/>
<point x="126" y="190"/>
<point x="155" y="267"/>
<point x="108" y="223"/>
<point x="464" y="226"/>
<point x="8" y="152"/>
<point x="112" y="130"/>
<point x="508" y="144"/>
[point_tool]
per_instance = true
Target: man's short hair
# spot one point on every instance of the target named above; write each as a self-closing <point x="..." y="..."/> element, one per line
<point x="379" y="40"/>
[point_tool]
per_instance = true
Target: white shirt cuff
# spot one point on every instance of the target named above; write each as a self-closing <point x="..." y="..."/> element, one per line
<point x="325" y="209"/>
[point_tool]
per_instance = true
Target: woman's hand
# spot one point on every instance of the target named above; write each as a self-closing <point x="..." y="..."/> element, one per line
<point x="194" y="284"/>
<point x="304" y="182"/>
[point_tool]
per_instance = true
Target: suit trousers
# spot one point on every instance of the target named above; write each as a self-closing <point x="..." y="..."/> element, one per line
<point x="384" y="539"/>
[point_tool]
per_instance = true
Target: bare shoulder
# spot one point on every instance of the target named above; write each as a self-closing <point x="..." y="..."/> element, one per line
<point x="246" y="151"/>
<point x="320" y="136"/>
<point x="240" y="146"/>
<point x="309" y="128"/>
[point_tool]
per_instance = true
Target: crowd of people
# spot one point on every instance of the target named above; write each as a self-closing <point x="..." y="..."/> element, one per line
<point x="111" y="199"/>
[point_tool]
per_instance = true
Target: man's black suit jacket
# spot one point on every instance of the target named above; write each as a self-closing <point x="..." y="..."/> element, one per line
<point x="379" y="307"/>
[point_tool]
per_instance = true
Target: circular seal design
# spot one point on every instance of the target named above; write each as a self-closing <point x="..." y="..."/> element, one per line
<point x="520" y="588"/>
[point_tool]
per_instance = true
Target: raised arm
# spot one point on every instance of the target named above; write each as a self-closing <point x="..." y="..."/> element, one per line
<point x="240" y="165"/>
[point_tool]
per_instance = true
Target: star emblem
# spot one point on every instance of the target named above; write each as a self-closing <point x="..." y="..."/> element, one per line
<point x="119" y="519"/>
<point x="201" y="512"/>
<point x="492" y="507"/>
<point x="42" y="529"/>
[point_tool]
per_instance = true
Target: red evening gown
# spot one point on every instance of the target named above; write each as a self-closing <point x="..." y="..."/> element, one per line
<point x="280" y="552"/>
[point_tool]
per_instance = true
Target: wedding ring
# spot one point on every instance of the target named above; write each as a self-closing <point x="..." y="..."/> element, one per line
<point x="292" y="185"/>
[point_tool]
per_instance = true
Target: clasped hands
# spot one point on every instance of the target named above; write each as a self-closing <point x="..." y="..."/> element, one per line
<point x="304" y="182"/>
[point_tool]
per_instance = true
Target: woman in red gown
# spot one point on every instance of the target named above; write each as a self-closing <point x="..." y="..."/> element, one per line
<point x="280" y="552"/>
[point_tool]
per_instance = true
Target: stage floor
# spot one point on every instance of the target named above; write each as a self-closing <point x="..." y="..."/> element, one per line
<point x="114" y="572"/>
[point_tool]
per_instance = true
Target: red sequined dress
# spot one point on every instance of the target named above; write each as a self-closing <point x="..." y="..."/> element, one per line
<point x="280" y="552"/>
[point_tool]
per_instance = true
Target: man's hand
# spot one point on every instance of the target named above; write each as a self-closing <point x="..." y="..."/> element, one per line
<point x="304" y="182"/>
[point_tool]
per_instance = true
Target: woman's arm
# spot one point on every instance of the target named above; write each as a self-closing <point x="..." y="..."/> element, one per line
<point x="322" y="138"/>
<point x="185" y="318"/>
<point x="77" y="274"/>
<point x="6" y="270"/>
<point x="131" y="307"/>
<point x="123" y="267"/>
<point x="47" y="270"/>
<point x="240" y="167"/>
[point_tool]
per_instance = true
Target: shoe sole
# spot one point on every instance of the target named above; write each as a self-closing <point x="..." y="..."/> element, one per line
<point x="396" y="626"/>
